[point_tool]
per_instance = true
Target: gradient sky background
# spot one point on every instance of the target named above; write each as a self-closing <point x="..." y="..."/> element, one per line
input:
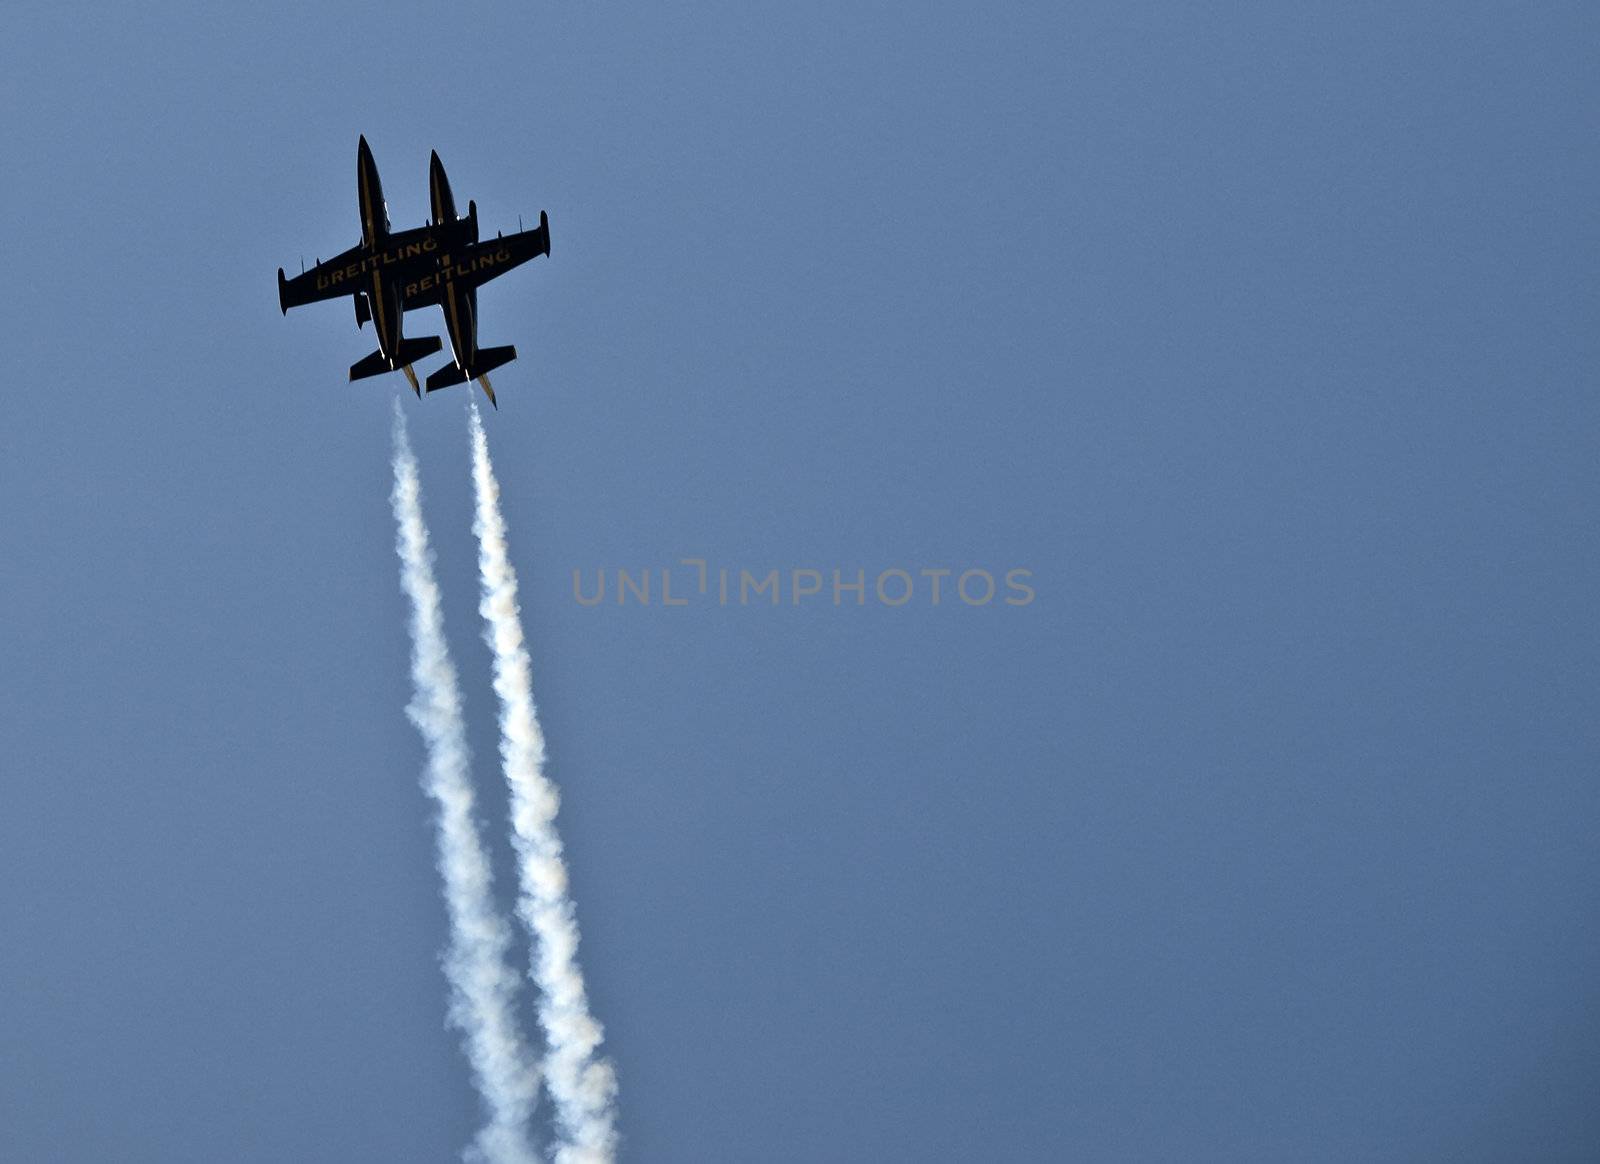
<point x="1265" y="335"/>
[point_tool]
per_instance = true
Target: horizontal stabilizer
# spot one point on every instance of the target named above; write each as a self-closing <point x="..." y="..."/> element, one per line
<point x="491" y="358"/>
<point x="411" y="350"/>
<point x="446" y="377"/>
<point x="488" y="360"/>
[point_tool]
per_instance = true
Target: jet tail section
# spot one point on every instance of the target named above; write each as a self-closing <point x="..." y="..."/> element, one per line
<point x="411" y="350"/>
<point x="373" y="365"/>
<point x="491" y="358"/>
<point x="445" y="377"/>
<point x="488" y="360"/>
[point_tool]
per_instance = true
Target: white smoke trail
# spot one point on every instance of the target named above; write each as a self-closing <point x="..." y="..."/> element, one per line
<point x="583" y="1087"/>
<point x="482" y="984"/>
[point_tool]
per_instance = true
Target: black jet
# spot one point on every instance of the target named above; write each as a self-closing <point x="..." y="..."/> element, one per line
<point x="376" y="271"/>
<point x="454" y="281"/>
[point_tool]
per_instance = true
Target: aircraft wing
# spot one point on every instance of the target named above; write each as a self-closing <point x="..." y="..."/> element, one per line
<point x="333" y="279"/>
<point x="492" y="257"/>
<point x="399" y="256"/>
<point x="471" y="266"/>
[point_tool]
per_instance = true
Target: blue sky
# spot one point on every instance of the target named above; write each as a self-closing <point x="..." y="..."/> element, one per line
<point x="1263" y="337"/>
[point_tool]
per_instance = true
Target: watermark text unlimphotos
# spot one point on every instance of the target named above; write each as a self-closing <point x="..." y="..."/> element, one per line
<point x="696" y="582"/>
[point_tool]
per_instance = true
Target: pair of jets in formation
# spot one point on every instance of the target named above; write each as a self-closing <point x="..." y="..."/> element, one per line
<point x="392" y="272"/>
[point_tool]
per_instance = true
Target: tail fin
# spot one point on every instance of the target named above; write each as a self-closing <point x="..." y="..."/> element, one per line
<point x="372" y="365"/>
<point x="411" y="350"/>
<point x="446" y="376"/>
<point x="491" y="358"/>
<point x="488" y="360"/>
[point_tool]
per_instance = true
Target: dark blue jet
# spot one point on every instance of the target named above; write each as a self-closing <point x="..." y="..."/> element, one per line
<point x="453" y="284"/>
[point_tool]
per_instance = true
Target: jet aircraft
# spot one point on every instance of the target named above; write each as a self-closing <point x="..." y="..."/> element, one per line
<point x="390" y="273"/>
<point x="454" y="283"/>
<point x="376" y="271"/>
